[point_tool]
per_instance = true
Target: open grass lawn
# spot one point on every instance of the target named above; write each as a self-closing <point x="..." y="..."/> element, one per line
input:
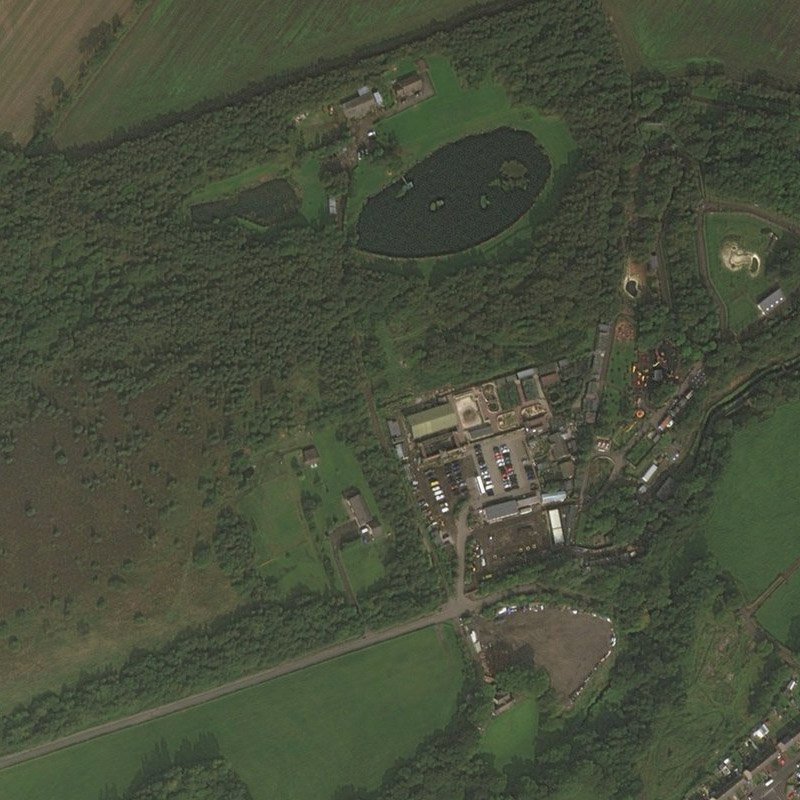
<point x="184" y="51"/>
<point x="752" y="527"/>
<point x="512" y="734"/>
<point x="288" y="546"/>
<point x="783" y="606"/>
<point x="299" y="737"/>
<point x="739" y="290"/>
<point x="690" y="734"/>
<point x="616" y="407"/>
<point x="746" y="35"/>
<point x="364" y="563"/>
<point x="455" y="112"/>
<point x="284" y="548"/>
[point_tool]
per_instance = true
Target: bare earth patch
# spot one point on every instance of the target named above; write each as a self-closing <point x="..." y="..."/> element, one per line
<point x="567" y="644"/>
<point x="38" y="42"/>
<point x="736" y="259"/>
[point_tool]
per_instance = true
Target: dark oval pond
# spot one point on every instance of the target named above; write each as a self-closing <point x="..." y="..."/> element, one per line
<point x="463" y="194"/>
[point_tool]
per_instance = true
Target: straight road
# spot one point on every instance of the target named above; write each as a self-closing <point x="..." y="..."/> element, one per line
<point x="455" y="608"/>
<point x="451" y="611"/>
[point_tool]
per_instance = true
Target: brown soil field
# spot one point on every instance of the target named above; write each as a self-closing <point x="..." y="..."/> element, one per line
<point x="569" y="646"/>
<point x="100" y="511"/>
<point x="39" y="41"/>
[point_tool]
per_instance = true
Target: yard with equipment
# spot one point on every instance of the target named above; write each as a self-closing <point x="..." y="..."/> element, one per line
<point x="181" y="52"/>
<point x="300" y="736"/>
<point x="746" y="36"/>
<point x="752" y="527"/>
<point x="738" y="249"/>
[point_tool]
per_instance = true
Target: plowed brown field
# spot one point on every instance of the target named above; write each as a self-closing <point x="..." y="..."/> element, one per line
<point x="39" y="41"/>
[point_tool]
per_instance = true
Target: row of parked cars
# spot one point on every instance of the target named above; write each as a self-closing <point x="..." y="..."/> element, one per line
<point x="438" y="492"/>
<point x="485" y="480"/>
<point x="502" y="457"/>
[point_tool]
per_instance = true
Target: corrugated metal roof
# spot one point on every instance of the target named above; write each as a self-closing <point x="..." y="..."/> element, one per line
<point x="498" y="511"/>
<point x="432" y="420"/>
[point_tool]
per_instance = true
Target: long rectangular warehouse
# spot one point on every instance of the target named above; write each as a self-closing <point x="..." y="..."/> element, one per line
<point x="432" y="420"/>
<point x="502" y="510"/>
<point x="554" y="515"/>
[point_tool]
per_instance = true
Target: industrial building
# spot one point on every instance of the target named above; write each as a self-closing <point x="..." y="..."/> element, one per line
<point x="432" y="421"/>
<point x="769" y="303"/>
<point x="556" y="528"/>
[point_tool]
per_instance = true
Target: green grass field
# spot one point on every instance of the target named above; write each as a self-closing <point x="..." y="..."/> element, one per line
<point x="284" y="547"/>
<point x="364" y="563"/>
<point x="181" y="52"/>
<point x="781" y="608"/>
<point x="512" y="734"/>
<point x="739" y="291"/>
<point x="752" y="528"/>
<point x="690" y="734"/>
<point x="455" y="112"/>
<point x="745" y="35"/>
<point x="299" y="737"/>
<point x="287" y="549"/>
<point x="616" y="407"/>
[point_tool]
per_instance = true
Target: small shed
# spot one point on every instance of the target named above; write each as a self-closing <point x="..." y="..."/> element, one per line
<point x="310" y="457"/>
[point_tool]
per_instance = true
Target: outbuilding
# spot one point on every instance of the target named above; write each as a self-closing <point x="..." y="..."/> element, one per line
<point x="769" y="303"/>
<point x="310" y="457"/>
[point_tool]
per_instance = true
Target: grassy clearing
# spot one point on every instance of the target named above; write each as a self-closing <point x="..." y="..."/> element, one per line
<point x="302" y="736"/>
<point x="616" y="407"/>
<point x="512" y="735"/>
<point x="752" y="525"/>
<point x="289" y="542"/>
<point x="777" y="614"/>
<point x="453" y="113"/>
<point x="364" y="563"/>
<point x="691" y="733"/>
<point x="284" y="548"/>
<point x="739" y="291"/>
<point x="181" y="52"/>
<point x="746" y="36"/>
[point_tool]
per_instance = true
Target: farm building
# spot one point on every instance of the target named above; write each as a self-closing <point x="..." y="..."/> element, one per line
<point x="553" y="498"/>
<point x="407" y="87"/>
<point x="556" y="528"/>
<point x="394" y="430"/>
<point x="311" y="457"/>
<point x="360" y="105"/>
<point x="771" y="302"/>
<point x="649" y="472"/>
<point x="359" y="512"/>
<point x="432" y="420"/>
<point x="500" y="511"/>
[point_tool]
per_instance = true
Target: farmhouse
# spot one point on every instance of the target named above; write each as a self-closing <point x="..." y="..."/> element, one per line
<point x="432" y="421"/>
<point x="360" y="105"/>
<point x="407" y="87"/>
<point x="311" y="457"/>
<point x="771" y="302"/>
<point x="359" y="512"/>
